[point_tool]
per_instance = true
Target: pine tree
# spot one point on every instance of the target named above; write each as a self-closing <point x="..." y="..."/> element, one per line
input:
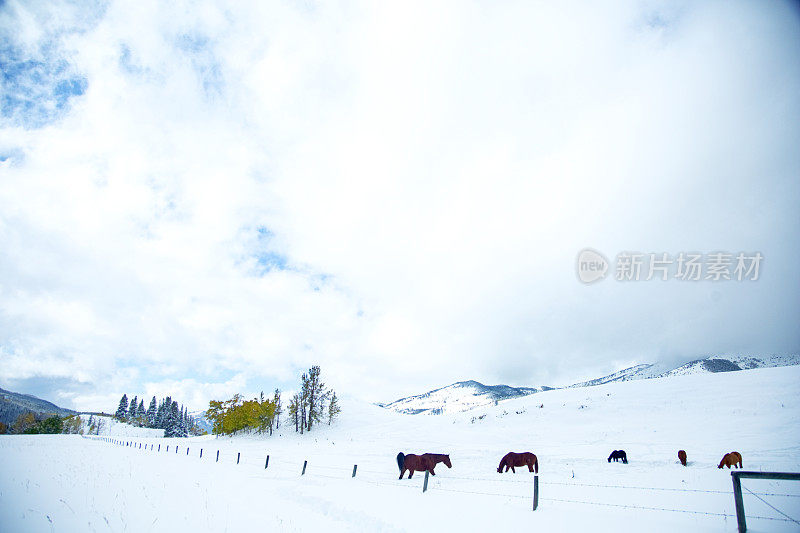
<point x="150" y="416"/>
<point x="133" y="409"/>
<point x="294" y="411"/>
<point x="303" y="402"/>
<point x="277" y="400"/>
<point x="172" y="427"/>
<point x="183" y="427"/>
<point x="164" y="413"/>
<point x="141" y="414"/>
<point x="315" y="396"/>
<point x="333" y="408"/>
<point x="122" y="410"/>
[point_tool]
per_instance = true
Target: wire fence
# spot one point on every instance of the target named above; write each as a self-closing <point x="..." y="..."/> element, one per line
<point x="292" y="469"/>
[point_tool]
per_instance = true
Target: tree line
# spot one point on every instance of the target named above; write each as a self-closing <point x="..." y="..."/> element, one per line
<point x="312" y="404"/>
<point x="167" y="414"/>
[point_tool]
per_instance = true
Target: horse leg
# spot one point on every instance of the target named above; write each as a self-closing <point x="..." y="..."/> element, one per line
<point x="530" y="467"/>
<point x="431" y="471"/>
<point x="403" y="471"/>
<point x="513" y="471"/>
<point x="410" y="473"/>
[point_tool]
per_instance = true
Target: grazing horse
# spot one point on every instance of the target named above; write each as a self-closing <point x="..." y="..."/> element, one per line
<point x="731" y="459"/>
<point x="439" y="458"/>
<point x="617" y="455"/>
<point x="511" y="459"/>
<point x="682" y="457"/>
<point x="413" y="463"/>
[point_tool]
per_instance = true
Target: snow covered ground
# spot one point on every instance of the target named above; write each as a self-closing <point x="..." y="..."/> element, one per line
<point x="73" y="483"/>
<point x="109" y="426"/>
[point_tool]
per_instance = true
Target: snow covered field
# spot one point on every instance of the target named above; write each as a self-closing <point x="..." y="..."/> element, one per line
<point x="73" y="483"/>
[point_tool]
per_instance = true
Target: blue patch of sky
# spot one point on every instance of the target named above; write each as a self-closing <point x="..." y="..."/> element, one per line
<point x="268" y="260"/>
<point x="36" y="90"/>
<point x="199" y="49"/>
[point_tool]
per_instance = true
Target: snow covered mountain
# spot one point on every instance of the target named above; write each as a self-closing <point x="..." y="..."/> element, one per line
<point x="711" y="364"/>
<point x="13" y="404"/>
<point x="467" y="395"/>
<point x="201" y="420"/>
<point x="461" y="396"/>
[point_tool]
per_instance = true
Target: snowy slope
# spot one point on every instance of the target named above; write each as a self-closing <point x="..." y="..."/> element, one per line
<point x="458" y="397"/>
<point x="710" y="364"/>
<point x="468" y="395"/>
<point x="106" y="425"/>
<point x="69" y="483"/>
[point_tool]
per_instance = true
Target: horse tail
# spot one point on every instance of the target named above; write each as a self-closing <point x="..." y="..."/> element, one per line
<point x="535" y="464"/>
<point x="401" y="460"/>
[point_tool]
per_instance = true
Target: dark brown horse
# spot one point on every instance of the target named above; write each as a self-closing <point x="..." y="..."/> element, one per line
<point x="617" y="455"/>
<point x="420" y="463"/>
<point x="439" y="458"/>
<point x="682" y="457"/>
<point x="511" y="459"/>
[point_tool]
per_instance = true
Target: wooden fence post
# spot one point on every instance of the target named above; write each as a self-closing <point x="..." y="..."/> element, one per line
<point x="159" y="447"/>
<point x="737" y="496"/>
<point x="355" y="467"/>
<point x="187" y="450"/>
<point x="535" y="491"/>
<point x="425" y="484"/>
<point x="266" y="463"/>
<point x="201" y="453"/>
<point x="238" y="454"/>
<point x="305" y="463"/>
<point x="176" y="449"/>
<point x="217" y="456"/>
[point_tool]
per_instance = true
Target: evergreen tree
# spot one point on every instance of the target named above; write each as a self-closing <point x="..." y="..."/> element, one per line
<point x="133" y="410"/>
<point x="163" y="418"/>
<point x="315" y="396"/>
<point x="277" y="401"/>
<point x="183" y="427"/>
<point x="172" y="422"/>
<point x="150" y="416"/>
<point x="122" y="410"/>
<point x="303" y="401"/>
<point x="141" y="414"/>
<point x="333" y="408"/>
<point x="294" y="411"/>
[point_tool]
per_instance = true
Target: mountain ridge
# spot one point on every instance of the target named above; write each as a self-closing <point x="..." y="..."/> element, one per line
<point x="13" y="404"/>
<point x="470" y="394"/>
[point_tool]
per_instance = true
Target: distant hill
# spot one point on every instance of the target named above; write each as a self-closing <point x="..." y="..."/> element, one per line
<point x="461" y="396"/>
<point x="201" y="420"/>
<point x="711" y="364"/>
<point x="13" y="404"/>
<point x="466" y="395"/>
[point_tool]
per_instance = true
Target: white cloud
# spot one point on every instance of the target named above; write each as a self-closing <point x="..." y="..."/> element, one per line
<point x="426" y="173"/>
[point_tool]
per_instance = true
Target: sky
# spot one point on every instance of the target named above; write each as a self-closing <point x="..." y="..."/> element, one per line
<point x="205" y="198"/>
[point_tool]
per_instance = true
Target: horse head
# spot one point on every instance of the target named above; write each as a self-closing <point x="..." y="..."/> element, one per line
<point x="446" y="461"/>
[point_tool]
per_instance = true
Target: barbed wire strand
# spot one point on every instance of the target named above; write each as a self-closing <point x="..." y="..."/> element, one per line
<point x="772" y="506"/>
<point x="562" y="500"/>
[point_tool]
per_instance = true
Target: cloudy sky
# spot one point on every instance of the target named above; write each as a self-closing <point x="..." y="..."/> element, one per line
<point x="198" y="199"/>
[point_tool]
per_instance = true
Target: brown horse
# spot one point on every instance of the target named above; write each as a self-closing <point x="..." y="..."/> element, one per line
<point x="511" y="459"/>
<point x="439" y="458"/>
<point x="731" y="459"/>
<point x="682" y="457"/>
<point x="419" y="463"/>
